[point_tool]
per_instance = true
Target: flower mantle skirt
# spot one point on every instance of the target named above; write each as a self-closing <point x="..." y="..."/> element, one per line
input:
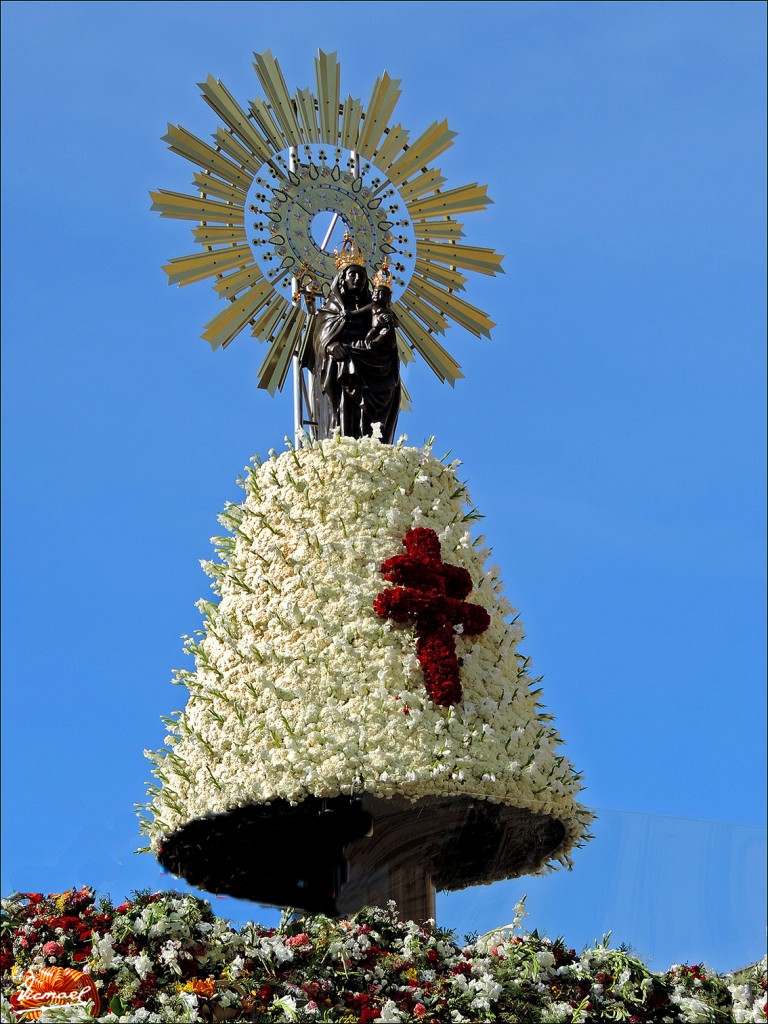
<point x="359" y="710"/>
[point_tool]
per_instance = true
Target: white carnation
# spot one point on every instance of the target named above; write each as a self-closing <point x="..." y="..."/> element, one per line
<point x="390" y="1013"/>
<point x="141" y="964"/>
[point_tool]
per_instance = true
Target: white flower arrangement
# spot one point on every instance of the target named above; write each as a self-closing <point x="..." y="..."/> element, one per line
<point x="300" y="689"/>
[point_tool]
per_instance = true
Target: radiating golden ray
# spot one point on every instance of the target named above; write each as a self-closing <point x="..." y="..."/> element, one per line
<point x="184" y="270"/>
<point x="191" y="148"/>
<point x="438" y="230"/>
<point x="218" y="97"/>
<point x="232" y="284"/>
<point x="427" y="181"/>
<point x="213" y="187"/>
<point x="473" y="320"/>
<point x="452" y="201"/>
<point x="431" y="143"/>
<point x="469" y="257"/>
<point x="404" y="347"/>
<point x="386" y="93"/>
<point x="434" y="320"/>
<point x="269" y="317"/>
<point x="273" y="83"/>
<point x="350" y="122"/>
<point x="230" y="321"/>
<point x="229" y="144"/>
<point x="213" y="235"/>
<point x="182" y="207"/>
<point x="261" y="112"/>
<point x="290" y="338"/>
<point x="442" y="275"/>
<point x="305" y="106"/>
<point x="328" y="76"/>
<point x="443" y="364"/>
<point x="254" y="143"/>
<point x="394" y="142"/>
<point x="274" y="369"/>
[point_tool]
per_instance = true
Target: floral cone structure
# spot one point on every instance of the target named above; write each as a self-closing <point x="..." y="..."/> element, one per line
<point x="316" y="753"/>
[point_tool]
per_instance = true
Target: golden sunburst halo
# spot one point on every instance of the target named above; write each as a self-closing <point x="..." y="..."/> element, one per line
<point x="276" y="170"/>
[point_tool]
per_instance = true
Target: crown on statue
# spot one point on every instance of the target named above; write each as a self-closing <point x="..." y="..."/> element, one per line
<point x="383" y="276"/>
<point x="350" y="255"/>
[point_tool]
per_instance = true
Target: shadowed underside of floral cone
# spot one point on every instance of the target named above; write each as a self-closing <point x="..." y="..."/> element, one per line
<point x="337" y="855"/>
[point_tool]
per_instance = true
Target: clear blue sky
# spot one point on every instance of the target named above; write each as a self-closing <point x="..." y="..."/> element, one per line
<point x="612" y="431"/>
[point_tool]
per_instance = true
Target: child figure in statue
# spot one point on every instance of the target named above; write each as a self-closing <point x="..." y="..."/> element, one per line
<point x="377" y="363"/>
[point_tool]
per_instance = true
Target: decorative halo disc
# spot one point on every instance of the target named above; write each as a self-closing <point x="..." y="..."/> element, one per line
<point x="275" y="169"/>
<point x="289" y="228"/>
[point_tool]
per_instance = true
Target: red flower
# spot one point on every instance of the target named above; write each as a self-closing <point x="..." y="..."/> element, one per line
<point x="361" y="1002"/>
<point x="464" y="967"/>
<point x="430" y="594"/>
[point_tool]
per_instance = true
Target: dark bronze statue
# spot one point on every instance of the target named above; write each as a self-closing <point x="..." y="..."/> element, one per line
<point x="353" y="354"/>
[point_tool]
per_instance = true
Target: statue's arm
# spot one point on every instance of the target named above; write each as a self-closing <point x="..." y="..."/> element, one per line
<point x="328" y="330"/>
<point x="363" y="309"/>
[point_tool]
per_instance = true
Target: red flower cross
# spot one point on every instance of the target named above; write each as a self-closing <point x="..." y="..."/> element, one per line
<point x="430" y="594"/>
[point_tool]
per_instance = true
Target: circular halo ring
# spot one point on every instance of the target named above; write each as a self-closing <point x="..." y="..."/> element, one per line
<point x="284" y="208"/>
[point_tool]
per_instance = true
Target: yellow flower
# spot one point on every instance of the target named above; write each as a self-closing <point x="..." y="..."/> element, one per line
<point x="61" y="900"/>
<point x="199" y="987"/>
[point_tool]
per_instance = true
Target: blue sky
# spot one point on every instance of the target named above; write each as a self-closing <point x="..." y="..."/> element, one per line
<point x="612" y="431"/>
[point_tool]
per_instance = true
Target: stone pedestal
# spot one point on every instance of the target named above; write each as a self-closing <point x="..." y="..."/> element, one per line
<point x="337" y="856"/>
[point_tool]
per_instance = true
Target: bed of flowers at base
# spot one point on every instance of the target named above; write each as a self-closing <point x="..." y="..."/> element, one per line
<point x="166" y="957"/>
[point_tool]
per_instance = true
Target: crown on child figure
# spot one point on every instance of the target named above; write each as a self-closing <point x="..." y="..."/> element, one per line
<point x="383" y="276"/>
<point x="351" y="255"/>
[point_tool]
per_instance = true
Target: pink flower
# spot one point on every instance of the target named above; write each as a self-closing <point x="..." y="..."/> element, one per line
<point x="419" y="1010"/>
<point x="299" y="940"/>
<point x="53" y="949"/>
